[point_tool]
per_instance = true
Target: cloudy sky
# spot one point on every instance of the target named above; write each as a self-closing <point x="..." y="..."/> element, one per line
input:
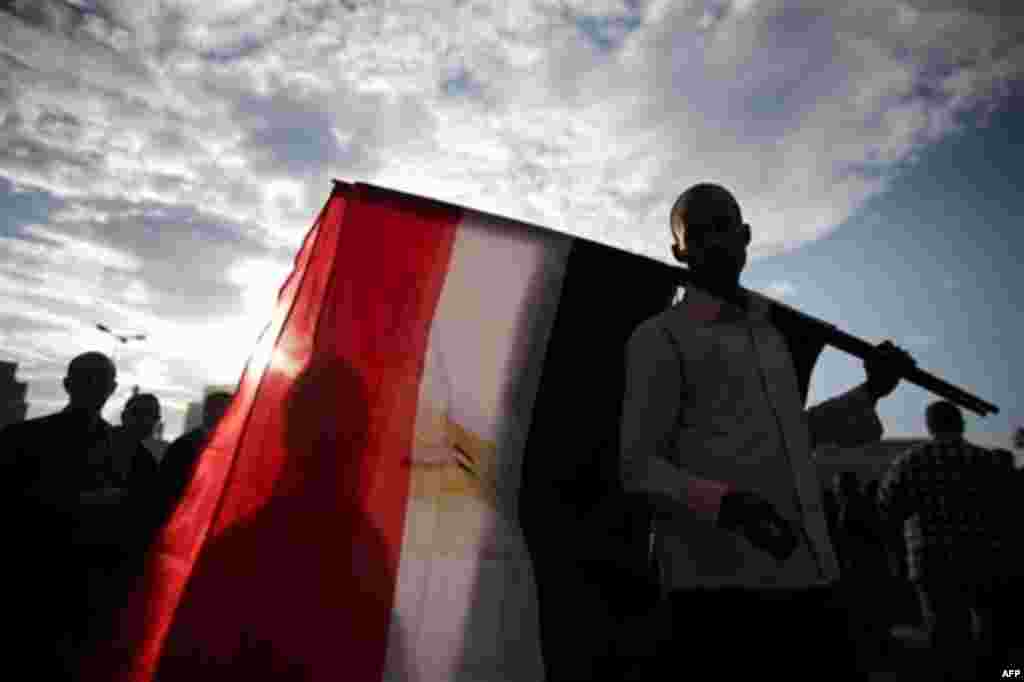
<point x="161" y="160"/>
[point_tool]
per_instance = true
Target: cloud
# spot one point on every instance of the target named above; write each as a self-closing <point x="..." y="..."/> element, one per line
<point x="175" y="143"/>
<point x="48" y="267"/>
<point x="13" y="308"/>
<point x="259" y="280"/>
<point x="67" y="249"/>
<point x="152" y="373"/>
<point x="137" y="268"/>
<point x="534" y="110"/>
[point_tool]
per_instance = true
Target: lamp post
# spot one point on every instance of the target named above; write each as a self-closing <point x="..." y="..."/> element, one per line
<point x="123" y="338"/>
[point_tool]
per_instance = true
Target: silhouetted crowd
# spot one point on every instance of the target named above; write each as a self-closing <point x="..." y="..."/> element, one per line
<point x="85" y="500"/>
<point x="930" y="554"/>
<point x="931" y="546"/>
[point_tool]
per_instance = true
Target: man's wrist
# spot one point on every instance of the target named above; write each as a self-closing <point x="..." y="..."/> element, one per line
<point x="871" y="391"/>
<point x="705" y="496"/>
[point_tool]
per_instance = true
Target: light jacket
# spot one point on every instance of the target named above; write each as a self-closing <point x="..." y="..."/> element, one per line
<point x="712" y="404"/>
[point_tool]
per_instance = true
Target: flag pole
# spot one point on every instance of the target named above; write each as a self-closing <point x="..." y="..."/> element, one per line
<point x="833" y="336"/>
<point x="828" y="333"/>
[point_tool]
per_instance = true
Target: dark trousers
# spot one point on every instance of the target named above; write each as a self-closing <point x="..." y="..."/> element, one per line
<point x="953" y="611"/>
<point x="44" y="610"/>
<point x="732" y="632"/>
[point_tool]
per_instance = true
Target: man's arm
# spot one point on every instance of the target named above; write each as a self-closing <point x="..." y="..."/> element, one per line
<point x="851" y="419"/>
<point x="144" y="468"/>
<point x="650" y="410"/>
<point x="848" y="420"/>
<point x="174" y="474"/>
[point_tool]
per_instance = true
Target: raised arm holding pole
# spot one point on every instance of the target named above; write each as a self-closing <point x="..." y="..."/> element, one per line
<point x="837" y="338"/>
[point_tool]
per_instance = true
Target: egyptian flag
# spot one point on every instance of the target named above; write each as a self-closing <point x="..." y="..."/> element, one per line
<point x="414" y="479"/>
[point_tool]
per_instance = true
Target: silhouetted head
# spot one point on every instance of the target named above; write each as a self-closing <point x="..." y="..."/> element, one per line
<point x="326" y="428"/>
<point x="141" y="414"/>
<point x="944" y="419"/>
<point x="214" y="406"/>
<point x="709" y="233"/>
<point x="90" y="382"/>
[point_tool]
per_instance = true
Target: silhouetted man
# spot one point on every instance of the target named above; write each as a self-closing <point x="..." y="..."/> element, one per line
<point x="848" y="490"/>
<point x="56" y="487"/>
<point x="180" y="459"/>
<point x="715" y="434"/>
<point x="858" y="525"/>
<point x="116" y="547"/>
<point x="952" y="499"/>
<point x="133" y="461"/>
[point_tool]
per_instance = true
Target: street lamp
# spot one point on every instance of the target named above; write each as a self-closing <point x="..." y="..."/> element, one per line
<point x="123" y="338"/>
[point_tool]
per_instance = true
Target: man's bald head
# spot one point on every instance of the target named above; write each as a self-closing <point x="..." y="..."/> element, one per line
<point x="214" y="406"/>
<point x="705" y="204"/>
<point x="90" y="381"/>
<point x="92" y="362"/>
<point x="709" y="234"/>
<point x="944" y="419"/>
<point x="141" y="414"/>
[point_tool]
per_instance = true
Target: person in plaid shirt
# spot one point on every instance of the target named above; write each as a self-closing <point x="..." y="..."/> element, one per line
<point x="950" y="497"/>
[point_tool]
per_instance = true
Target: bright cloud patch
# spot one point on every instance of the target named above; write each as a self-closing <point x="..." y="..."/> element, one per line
<point x="180" y="143"/>
<point x="260" y="280"/>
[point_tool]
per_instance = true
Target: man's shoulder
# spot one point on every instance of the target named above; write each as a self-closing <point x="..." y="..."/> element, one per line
<point x="913" y="456"/>
<point x="182" y="452"/>
<point x="43" y="421"/>
<point x="919" y="449"/>
<point x="187" y="438"/>
<point x="156" y="446"/>
<point x="998" y="458"/>
<point x="30" y="427"/>
<point x="143" y="460"/>
<point x="651" y="328"/>
<point x="187" y="442"/>
<point x="676" y="320"/>
<point x="935" y="452"/>
<point x="120" y="433"/>
<point x="962" y="448"/>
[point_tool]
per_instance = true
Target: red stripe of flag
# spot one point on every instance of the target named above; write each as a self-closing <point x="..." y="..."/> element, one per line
<point x="290" y="533"/>
<point x="145" y="621"/>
